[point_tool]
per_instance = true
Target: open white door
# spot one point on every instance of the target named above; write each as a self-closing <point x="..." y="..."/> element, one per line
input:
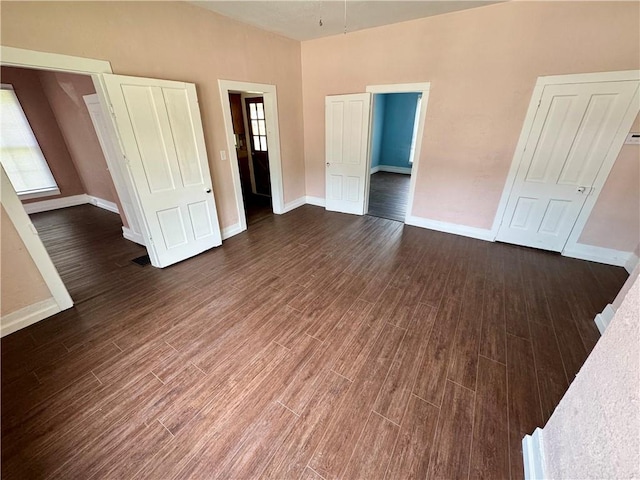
<point x="569" y="139"/>
<point x="347" y="152"/>
<point x="161" y="132"/>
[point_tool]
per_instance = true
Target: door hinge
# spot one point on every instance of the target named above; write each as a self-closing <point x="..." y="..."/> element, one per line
<point x="539" y="102"/>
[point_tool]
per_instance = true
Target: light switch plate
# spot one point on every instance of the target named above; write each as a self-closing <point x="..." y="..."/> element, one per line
<point x="223" y="155"/>
<point x="633" y="139"/>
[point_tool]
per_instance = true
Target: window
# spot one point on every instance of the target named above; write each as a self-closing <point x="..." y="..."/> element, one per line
<point x="20" y="153"/>
<point x="258" y="126"/>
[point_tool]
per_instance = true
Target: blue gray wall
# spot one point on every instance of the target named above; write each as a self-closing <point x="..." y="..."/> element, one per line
<point x="393" y="120"/>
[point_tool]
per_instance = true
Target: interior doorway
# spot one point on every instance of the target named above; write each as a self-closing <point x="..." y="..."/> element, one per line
<point x="266" y="136"/>
<point x="252" y="154"/>
<point x="393" y="144"/>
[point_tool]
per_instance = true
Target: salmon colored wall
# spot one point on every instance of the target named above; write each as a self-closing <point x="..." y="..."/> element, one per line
<point x="618" y="204"/>
<point x="177" y="41"/>
<point x="22" y="283"/>
<point x="482" y="64"/>
<point x="26" y="84"/>
<point x="64" y="92"/>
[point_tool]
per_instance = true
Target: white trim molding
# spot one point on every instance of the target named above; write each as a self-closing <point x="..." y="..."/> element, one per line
<point x="132" y="236"/>
<point x="292" y="205"/>
<point x="456" y="229"/>
<point x="19" y="57"/>
<point x="232" y="230"/>
<point x="391" y="169"/>
<point x="71" y="201"/>
<point x="317" y="201"/>
<point x="603" y="319"/>
<point x="533" y="456"/>
<point x="28" y="315"/>
<point x="55" y="203"/>
<point x="632" y="262"/>
<point x="591" y="253"/>
<point x="104" y="204"/>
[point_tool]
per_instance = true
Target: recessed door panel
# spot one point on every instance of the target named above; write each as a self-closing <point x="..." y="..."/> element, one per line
<point x="200" y="219"/>
<point x="182" y="129"/>
<point x="152" y="145"/>
<point x="172" y="226"/>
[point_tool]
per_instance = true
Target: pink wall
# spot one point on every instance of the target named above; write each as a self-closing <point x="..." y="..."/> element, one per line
<point x="177" y="41"/>
<point x="22" y="283"/>
<point x="64" y="92"/>
<point x="26" y="84"/>
<point x="482" y="64"/>
<point x="593" y="433"/>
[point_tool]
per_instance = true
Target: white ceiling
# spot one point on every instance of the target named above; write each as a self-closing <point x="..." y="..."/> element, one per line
<point x="299" y="19"/>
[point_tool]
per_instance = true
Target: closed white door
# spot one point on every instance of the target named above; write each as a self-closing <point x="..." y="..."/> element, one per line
<point x="347" y="121"/>
<point x="569" y="139"/>
<point x="161" y="131"/>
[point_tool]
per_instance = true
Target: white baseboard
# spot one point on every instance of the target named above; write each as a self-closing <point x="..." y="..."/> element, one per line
<point x="608" y="256"/>
<point x="72" y="201"/>
<point x="56" y="203"/>
<point x="317" y="201"/>
<point x="604" y="318"/>
<point x="132" y="236"/>
<point x="391" y="169"/>
<point x="533" y="456"/>
<point x="102" y="203"/>
<point x="298" y="202"/>
<point x="26" y="316"/>
<point x="631" y="263"/>
<point x="456" y="229"/>
<point x="231" y="230"/>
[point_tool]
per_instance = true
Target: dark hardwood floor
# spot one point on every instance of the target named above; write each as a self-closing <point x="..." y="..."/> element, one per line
<point x="388" y="195"/>
<point x="409" y="353"/>
<point x="257" y="207"/>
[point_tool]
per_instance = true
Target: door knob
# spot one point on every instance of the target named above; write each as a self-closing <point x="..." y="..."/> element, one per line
<point x="208" y="190"/>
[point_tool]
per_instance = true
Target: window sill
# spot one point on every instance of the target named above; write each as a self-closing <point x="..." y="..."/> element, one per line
<point x="42" y="193"/>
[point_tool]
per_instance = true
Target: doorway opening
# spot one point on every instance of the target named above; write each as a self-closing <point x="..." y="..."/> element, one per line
<point x="53" y="151"/>
<point x="262" y="170"/>
<point x="252" y="154"/>
<point x="393" y="144"/>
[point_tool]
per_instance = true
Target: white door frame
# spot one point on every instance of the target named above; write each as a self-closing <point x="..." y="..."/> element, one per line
<point x="29" y="235"/>
<point x="268" y="92"/>
<point x="422" y="88"/>
<point x="612" y="154"/>
<point x="19" y="57"/>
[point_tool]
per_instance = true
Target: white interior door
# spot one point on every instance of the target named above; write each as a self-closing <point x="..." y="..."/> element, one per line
<point x="347" y="120"/>
<point x="113" y="159"/>
<point x="570" y="137"/>
<point x="161" y="132"/>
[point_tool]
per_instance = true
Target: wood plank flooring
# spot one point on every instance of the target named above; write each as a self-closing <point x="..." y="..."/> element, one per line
<point x="282" y="354"/>
<point x="388" y="195"/>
